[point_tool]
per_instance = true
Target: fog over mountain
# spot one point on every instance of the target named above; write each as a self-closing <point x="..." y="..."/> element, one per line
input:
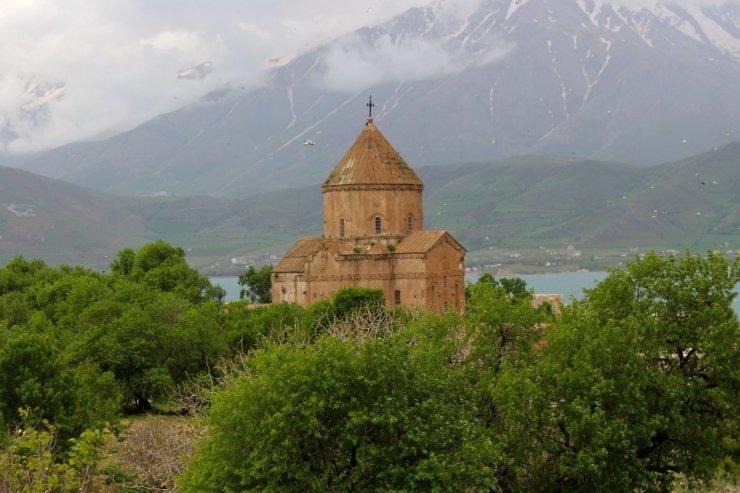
<point x="123" y="62"/>
<point x="641" y="82"/>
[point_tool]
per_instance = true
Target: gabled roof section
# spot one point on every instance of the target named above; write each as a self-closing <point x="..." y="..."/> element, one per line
<point x="423" y="241"/>
<point x="295" y="258"/>
<point x="292" y="264"/>
<point x="372" y="160"/>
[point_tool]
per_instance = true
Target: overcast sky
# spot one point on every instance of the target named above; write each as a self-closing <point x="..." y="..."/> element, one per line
<point x="108" y="65"/>
<point x="119" y="60"/>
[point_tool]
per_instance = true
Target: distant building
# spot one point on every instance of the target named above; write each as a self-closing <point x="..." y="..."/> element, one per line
<point x="374" y="237"/>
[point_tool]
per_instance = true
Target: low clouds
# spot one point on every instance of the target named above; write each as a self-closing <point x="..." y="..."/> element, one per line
<point x="78" y="69"/>
<point x="112" y="65"/>
<point x="117" y="68"/>
<point x="353" y="63"/>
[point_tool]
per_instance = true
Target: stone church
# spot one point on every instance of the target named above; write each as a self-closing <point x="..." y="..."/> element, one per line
<point x="374" y="237"/>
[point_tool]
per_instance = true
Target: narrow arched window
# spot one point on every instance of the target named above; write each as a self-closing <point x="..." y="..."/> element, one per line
<point x="410" y="223"/>
<point x="378" y="229"/>
<point x="341" y="228"/>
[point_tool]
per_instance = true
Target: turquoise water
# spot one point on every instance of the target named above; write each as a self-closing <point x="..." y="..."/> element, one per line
<point x="230" y="284"/>
<point x="569" y="284"/>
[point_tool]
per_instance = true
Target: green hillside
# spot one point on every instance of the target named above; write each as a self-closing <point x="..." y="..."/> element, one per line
<point x="530" y="204"/>
<point x="62" y="223"/>
<point x="520" y="207"/>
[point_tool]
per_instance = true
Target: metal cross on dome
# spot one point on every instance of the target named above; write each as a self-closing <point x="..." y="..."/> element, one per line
<point x="370" y="106"/>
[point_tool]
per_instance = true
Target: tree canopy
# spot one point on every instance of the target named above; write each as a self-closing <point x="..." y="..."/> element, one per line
<point x="637" y="383"/>
<point x="161" y="266"/>
<point x="76" y="345"/>
<point x="344" y="416"/>
<point x="256" y="284"/>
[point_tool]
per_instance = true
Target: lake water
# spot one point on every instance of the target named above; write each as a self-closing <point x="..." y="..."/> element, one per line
<point x="230" y="284"/>
<point x="569" y="284"/>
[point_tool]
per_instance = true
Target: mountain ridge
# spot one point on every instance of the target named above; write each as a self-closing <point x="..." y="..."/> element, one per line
<point x="513" y="204"/>
<point x="583" y="78"/>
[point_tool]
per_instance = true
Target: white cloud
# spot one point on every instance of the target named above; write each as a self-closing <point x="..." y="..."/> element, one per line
<point x="119" y="59"/>
<point x="353" y="64"/>
<point x="681" y="3"/>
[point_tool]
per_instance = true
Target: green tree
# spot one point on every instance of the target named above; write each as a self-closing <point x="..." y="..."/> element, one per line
<point x="501" y="331"/>
<point x="502" y="323"/>
<point x="348" y="300"/>
<point x="513" y="287"/>
<point x="248" y="327"/>
<point x="15" y="310"/>
<point x="256" y="284"/>
<point x="75" y="344"/>
<point x="31" y="462"/>
<point x="20" y="273"/>
<point x="148" y="339"/>
<point x="638" y="382"/>
<point x="123" y="264"/>
<point x="33" y="376"/>
<point x="162" y="266"/>
<point x="342" y="415"/>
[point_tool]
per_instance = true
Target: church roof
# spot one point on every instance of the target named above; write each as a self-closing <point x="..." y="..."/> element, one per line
<point x="372" y="160"/>
<point x="304" y="246"/>
<point x="294" y="259"/>
<point x="293" y="264"/>
<point x="423" y="241"/>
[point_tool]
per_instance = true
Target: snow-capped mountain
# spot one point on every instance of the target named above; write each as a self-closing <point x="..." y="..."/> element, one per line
<point x="594" y="78"/>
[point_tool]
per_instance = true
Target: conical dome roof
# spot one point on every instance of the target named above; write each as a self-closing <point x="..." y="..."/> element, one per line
<point x="372" y="160"/>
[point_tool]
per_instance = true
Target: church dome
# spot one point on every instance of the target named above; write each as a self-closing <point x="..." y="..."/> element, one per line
<point x="372" y="160"/>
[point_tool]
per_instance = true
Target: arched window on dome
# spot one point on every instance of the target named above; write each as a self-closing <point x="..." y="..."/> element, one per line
<point x="410" y="223"/>
<point x="378" y="228"/>
<point x="341" y="228"/>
